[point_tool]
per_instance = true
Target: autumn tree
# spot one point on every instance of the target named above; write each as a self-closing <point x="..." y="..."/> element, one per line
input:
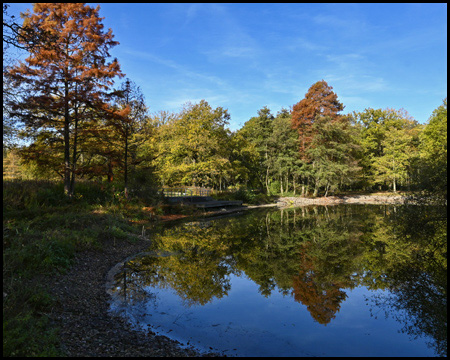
<point x="23" y="37"/>
<point x="66" y="81"/>
<point x="319" y="100"/>
<point x="326" y="138"/>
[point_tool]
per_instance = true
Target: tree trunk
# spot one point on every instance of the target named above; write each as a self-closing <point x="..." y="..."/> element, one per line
<point x="110" y="171"/>
<point x="126" y="162"/>
<point x="316" y="190"/>
<point x="326" y="191"/>
<point x="74" y="156"/>
<point x="66" y="139"/>
<point x="126" y="142"/>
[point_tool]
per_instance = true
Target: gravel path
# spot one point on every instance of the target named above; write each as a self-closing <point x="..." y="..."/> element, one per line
<point x="81" y="310"/>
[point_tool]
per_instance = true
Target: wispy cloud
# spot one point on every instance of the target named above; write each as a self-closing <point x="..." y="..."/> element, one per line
<point x="185" y="71"/>
<point x="228" y="38"/>
<point x="300" y="43"/>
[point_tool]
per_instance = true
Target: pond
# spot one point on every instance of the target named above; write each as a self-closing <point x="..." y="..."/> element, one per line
<point x="346" y="280"/>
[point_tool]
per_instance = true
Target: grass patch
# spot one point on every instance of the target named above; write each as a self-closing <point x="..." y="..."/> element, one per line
<point x="42" y="231"/>
<point x="26" y="328"/>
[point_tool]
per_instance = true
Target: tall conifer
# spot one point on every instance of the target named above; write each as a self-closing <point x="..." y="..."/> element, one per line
<point x="319" y="100"/>
<point x="67" y="80"/>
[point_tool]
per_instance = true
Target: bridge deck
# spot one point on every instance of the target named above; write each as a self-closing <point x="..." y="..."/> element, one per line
<point x="203" y="201"/>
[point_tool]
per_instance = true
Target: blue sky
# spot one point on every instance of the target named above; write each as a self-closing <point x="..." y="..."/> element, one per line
<point x="246" y="56"/>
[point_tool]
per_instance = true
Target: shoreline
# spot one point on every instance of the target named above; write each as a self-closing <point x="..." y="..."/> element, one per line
<point x="81" y="310"/>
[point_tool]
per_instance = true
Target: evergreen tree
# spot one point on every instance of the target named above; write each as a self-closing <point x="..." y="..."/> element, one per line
<point x="130" y="99"/>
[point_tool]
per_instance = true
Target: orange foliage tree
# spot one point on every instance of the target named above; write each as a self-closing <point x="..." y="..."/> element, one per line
<point x="319" y="100"/>
<point x="67" y="83"/>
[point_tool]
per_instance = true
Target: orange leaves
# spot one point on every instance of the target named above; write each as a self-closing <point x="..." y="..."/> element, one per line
<point x="67" y="76"/>
<point x="319" y="100"/>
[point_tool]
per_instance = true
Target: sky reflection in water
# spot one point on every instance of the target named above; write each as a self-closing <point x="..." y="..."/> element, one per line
<point x="303" y="282"/>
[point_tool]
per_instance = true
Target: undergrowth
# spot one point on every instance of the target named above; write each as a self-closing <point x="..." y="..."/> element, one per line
<point x="42" y="231"/>
<point x="250" y="197"/>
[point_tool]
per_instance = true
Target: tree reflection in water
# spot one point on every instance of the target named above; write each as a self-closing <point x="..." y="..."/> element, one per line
<point x="312" y="254"/>
<point x="418" y="283"/>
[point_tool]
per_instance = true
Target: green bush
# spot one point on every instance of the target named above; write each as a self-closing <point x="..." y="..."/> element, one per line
<point x="247" y="196"/>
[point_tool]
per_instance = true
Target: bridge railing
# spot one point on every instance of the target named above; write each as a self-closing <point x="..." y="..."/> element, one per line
<point x="186" y="191"/>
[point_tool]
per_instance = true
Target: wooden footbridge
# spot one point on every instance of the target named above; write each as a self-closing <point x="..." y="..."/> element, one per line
<point x="199" y="197"/>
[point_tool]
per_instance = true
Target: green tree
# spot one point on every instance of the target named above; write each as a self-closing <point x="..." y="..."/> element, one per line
<point x="433" y="152"/>
<point x="193" y="147"/>
<point x="12" y="168"/>
<point x="333" y="154"/>
<point x="244" y="159"/>
<point x="392" y="165"/>
<point x="283" y="150"/>
<point x="258" y="131"/>
<point x="389" y="140"/>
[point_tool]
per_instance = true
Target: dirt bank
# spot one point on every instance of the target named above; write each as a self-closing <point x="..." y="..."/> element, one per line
<point x="87" y="329"/>
<point x="379" y="199"/>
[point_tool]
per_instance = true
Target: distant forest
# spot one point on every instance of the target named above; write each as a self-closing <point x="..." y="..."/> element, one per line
<point x="64" y="118"/>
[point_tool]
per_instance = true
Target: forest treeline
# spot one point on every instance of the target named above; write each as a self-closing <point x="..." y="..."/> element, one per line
<point x="69" y="116"/>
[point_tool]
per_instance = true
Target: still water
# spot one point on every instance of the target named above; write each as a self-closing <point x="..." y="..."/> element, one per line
<point x="347" y="280"/>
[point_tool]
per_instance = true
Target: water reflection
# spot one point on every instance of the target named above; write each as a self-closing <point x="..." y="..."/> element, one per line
<point x="315" y="256"/>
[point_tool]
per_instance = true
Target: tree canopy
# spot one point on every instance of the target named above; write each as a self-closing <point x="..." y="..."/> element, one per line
<point x="62" y="101"/>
